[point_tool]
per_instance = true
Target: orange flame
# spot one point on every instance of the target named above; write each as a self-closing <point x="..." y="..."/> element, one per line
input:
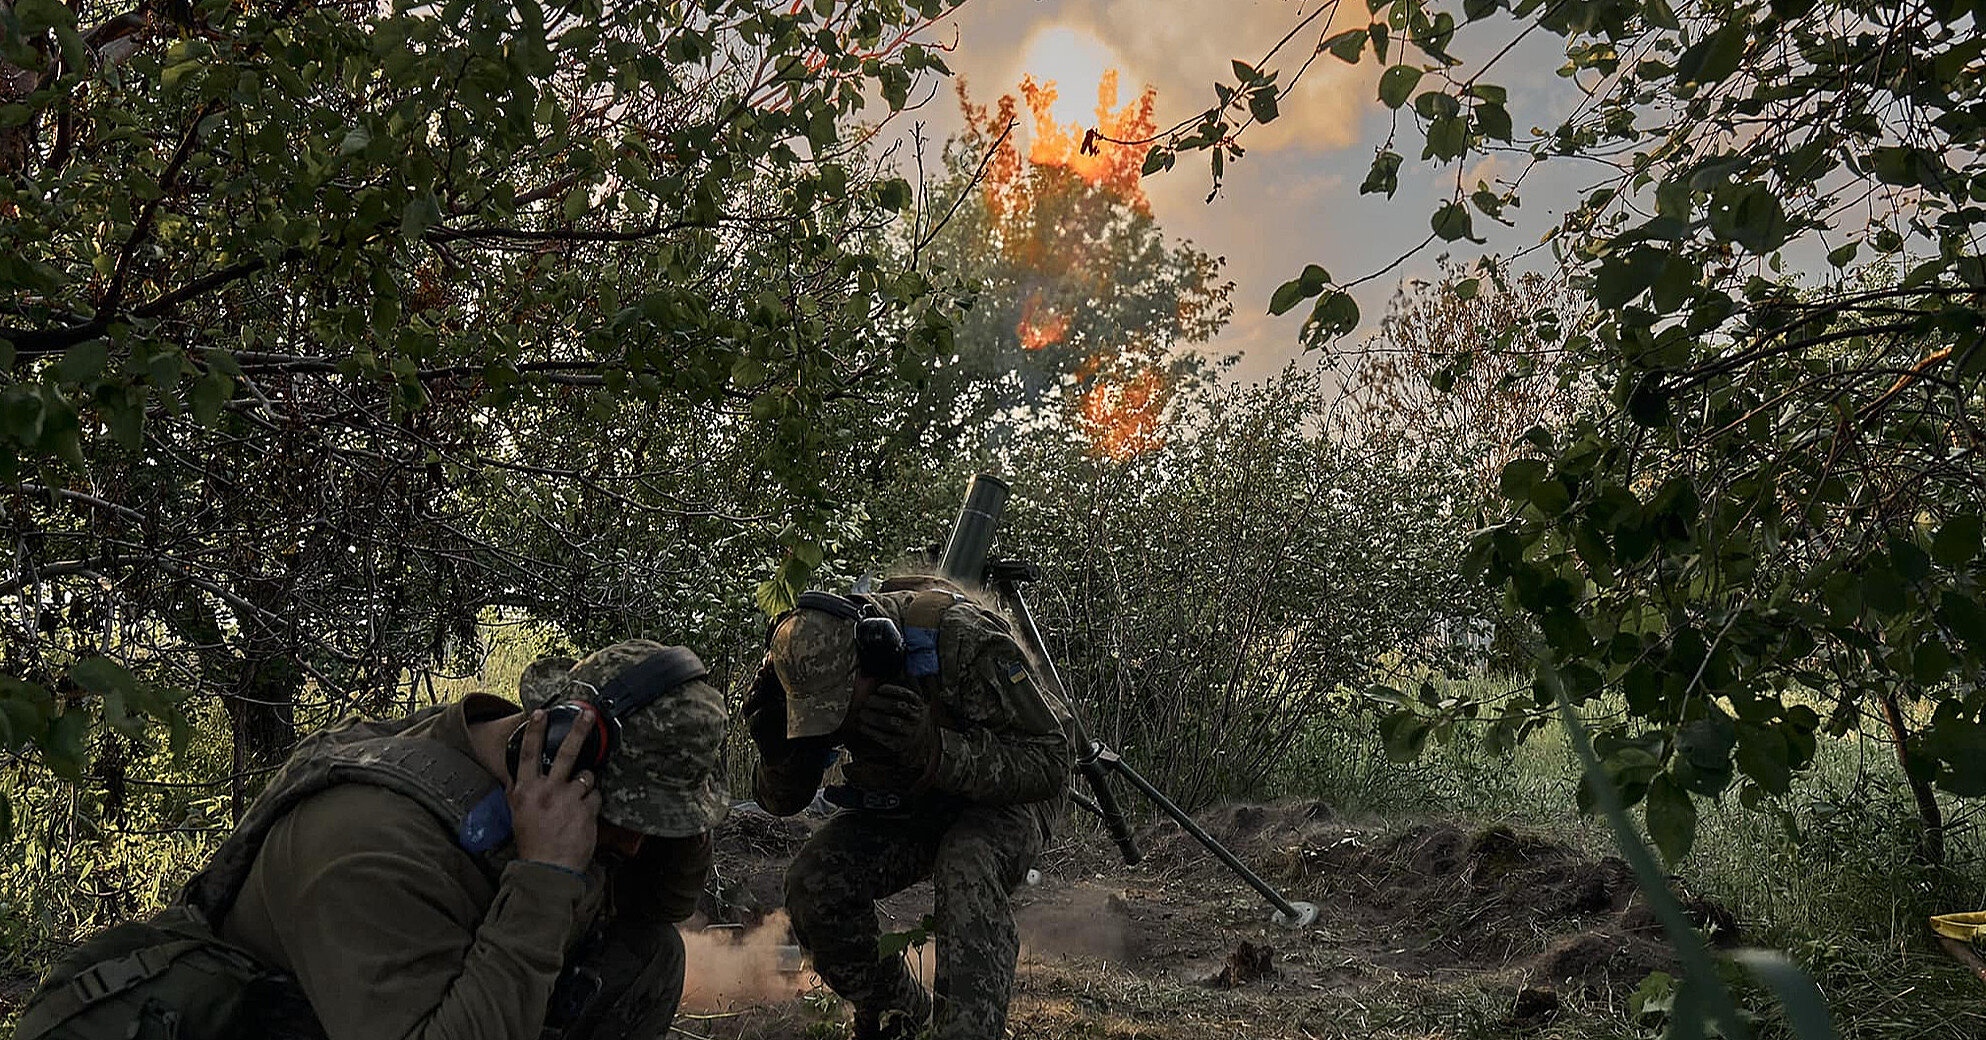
<point x="1036" y="333"/>
<point x="1123" y="417"/>
<point x="1112" y="167"/>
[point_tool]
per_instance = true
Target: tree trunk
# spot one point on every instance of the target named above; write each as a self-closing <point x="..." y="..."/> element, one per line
<point x="1931" y="846"/>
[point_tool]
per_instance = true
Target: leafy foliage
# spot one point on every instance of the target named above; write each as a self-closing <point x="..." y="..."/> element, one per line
<point x="323" y="326"/>
<point x="1766" y="528"/>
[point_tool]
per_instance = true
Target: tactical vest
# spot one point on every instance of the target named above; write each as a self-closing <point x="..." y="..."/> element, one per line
<point x="172" y="977"/>
<point x="943" y="633"/>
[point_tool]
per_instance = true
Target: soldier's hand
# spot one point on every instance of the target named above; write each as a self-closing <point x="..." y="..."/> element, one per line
<point x="765" y="712"/>
<point x="896" y="719"/>
<point x="554" y="815"/>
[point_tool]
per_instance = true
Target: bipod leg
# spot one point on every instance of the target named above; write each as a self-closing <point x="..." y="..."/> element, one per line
<point x="1095" y="765"/>
<point x="1288" y="914"/>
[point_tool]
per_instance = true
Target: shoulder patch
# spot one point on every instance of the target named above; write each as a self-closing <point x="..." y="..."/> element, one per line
<point x="1016" y="673"/>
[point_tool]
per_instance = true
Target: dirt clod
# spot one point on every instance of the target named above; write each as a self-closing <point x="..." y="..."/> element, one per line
<point x="1248" y="963"/>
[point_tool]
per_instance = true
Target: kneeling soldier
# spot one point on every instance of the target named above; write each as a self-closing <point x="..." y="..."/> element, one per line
<point x="445" y="875"/>
<point x="958" y="763"/>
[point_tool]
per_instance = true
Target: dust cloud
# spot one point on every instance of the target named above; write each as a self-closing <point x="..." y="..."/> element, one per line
<point x="726" y="968"/>
<point x="1075" y="922"/>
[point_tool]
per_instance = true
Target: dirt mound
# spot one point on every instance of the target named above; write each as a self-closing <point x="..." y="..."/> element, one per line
<point x="748" y="865"/>
<point x="1499" y="896"/>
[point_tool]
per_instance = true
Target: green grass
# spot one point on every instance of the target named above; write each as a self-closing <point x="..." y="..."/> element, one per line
<point x="1825" y="873"/>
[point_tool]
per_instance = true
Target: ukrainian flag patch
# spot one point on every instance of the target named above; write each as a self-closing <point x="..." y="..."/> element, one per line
<point x="1016" y="673"/>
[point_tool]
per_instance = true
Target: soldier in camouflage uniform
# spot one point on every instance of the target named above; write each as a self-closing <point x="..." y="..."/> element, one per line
<point x="393" y="927"/>
<point x="956" y="771"/>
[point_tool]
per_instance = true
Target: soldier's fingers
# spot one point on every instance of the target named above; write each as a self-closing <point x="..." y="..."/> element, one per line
<point x="532" y="747"/>
<point x="888" y="727"/>
<point x="890" y="693"/>
<point x="895" y="711"/>
<point x="571" y="743"/>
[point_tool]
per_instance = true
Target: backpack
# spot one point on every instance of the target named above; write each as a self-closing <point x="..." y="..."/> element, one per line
<point x="172" y="977"/>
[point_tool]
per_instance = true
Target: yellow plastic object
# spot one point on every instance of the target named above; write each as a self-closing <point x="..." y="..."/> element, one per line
<point x="1963" y="927"/>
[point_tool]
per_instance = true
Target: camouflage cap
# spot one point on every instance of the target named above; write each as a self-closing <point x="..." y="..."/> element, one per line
<point x="814" y="653"/>
<point x="663" y="779"/>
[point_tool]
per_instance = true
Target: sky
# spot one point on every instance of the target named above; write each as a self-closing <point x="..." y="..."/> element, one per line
<point x="1293" y="199"/>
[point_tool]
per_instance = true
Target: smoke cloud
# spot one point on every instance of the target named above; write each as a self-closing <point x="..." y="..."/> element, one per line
<point x="727" y="968"/>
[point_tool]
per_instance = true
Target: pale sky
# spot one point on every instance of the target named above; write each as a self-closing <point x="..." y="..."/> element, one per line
<point x="1294" y="198"/>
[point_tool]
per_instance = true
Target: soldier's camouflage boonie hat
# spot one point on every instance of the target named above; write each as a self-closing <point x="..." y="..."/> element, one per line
<point x="814" y="653"/>
<point x="663" y="779"/>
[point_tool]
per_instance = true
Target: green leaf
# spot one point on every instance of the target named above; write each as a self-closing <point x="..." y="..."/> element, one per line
<point x="1493" y="120"/>
<point x="1347" y="46"/>
<point x="1671" y="816"/>
<point x="893" y="945"/>
<point x="419" y="215"/>
<point x="1716" y="56"/>
<point x="209" y="395"/>
<point x="1262" y="104"/>
<point x="1764" y="756"/>
<point x="894" y="195"/>
<point x="101" y="675"/>
<point x="1434" y="104"/>
<point x="1806" y="1008"/>
<point x="63" y="744"/>
<point x="1452" y="221"/>
<point x="1334" y="315"/>
<point x="1384" y="175"/>
<point x="356" y="138"/>
<point x="1958" y="541"/>
<point x="83" y="364"/>
<point x="1311" y="282"/>
<point x="1883" y="589"/>
<point x="1447" y="138"/>
<point x="1397" y="84"/>
<point x="1519" y="474"/>
<point x="1404" y="735"/>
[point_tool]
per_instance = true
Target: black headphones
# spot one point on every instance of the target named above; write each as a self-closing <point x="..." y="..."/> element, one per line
<point x="633" y="689"/>
<point x="879" y="646"/>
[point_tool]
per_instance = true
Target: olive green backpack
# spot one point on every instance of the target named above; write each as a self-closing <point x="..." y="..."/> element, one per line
<point x="171" y="977"/>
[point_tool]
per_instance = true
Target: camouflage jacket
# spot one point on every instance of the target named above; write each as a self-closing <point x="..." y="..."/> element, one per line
<point x="1004" y="738"/>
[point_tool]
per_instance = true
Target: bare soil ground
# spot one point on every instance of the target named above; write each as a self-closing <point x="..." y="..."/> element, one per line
<point x="1432" y="931"/>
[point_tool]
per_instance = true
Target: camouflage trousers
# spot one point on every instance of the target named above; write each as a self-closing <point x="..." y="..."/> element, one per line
<point x="973" y="857"/>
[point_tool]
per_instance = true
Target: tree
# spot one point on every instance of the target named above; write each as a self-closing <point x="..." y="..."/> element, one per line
<point x="312" y="315"/>
<point x="1774" y="521"/>
<point x="1080" y="301"/>
<point x="1459" y="367"/>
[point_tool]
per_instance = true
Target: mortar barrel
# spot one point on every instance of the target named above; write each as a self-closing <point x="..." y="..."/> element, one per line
<point x="972" y="533"/>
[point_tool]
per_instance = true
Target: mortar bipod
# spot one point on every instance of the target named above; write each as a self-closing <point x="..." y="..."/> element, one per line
<point x="1097" y="761"/>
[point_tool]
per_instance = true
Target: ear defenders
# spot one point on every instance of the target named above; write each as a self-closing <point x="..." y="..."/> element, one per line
<point x="879" y="645"/>
<point x="635" y="688"/>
